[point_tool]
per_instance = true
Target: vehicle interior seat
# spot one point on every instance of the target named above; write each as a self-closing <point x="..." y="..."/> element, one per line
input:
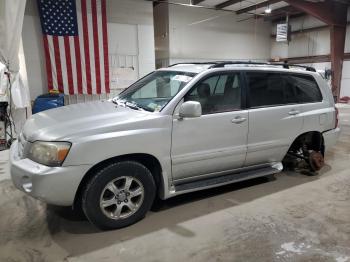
<point x="232" y="93"/>
<point x="203" y="91"/>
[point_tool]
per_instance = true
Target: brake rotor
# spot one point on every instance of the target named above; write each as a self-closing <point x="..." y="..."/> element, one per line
<point x="316" y="160"/>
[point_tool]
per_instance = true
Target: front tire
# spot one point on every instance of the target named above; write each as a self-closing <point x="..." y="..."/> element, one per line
<point x="119" y="195"/>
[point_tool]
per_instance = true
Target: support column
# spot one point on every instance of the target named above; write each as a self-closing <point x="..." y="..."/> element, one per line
<point x="337" y="57"/>
<point x="334" y="14"/>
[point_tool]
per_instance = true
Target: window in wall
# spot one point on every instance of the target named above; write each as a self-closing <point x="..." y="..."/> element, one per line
<point x="220" y="93"/>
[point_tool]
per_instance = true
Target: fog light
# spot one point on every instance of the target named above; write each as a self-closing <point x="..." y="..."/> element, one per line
<point x="27" y="187"/>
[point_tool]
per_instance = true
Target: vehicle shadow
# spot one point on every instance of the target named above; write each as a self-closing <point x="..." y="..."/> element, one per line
<point x="77" y="236"/>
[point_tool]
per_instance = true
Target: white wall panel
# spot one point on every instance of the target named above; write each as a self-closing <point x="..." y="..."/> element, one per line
<point x="122" y="39"/>
<point x="345" y="89"/>
<point x="34" y="55"/>
<point x="196" y="33"/>
<point x="146" y="56"/>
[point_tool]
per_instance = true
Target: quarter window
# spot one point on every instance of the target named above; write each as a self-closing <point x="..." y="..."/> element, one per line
<point x="220" y="93"/>
<point x="304" y="87"/>
<point x="273" y="89"/>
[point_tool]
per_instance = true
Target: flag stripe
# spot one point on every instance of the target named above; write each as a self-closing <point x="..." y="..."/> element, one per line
<point x="96" y="49"/>
<point x="63" y="64"/>
<point x="100" y="47"/>
<point x="86" y="46"/>
<point x="53" y="62"/>
<point x="105" y="44"/>
<point x="91" y="47"/>
<point x="56" y="50"/>
<point x="78" y="64"/>
<point x="68" y="65"/>
<point x="74" y="67"/>
<point x="48" y="63"/>
<point x="81" y="47"/>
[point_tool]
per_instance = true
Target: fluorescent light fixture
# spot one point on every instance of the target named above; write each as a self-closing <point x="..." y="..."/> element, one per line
<point x="268" y="10"/>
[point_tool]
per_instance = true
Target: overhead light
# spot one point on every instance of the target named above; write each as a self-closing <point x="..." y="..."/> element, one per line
<point x="268" y="10"/>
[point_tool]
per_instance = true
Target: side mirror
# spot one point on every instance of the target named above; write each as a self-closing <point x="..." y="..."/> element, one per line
<point x="190" y="109"/>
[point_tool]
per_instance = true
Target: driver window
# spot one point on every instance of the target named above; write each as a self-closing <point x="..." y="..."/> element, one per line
<point x="220" y="93"/>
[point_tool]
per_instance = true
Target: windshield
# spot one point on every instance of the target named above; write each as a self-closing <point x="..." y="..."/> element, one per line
<point x="154" y="91"/>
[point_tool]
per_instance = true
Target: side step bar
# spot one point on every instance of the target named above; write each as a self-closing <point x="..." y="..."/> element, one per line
<point x="227" y="179"/>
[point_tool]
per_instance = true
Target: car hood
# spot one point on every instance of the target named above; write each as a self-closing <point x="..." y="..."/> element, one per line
<point x="76" y="121"/>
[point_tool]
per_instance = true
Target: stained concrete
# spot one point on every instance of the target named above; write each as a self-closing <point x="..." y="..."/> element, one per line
<point x="288" y="217"/>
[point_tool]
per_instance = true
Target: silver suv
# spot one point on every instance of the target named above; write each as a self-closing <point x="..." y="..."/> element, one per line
<point x="184" y="128"/>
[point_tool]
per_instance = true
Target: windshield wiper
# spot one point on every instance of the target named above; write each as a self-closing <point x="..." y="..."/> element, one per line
<point x="132" y="105"/>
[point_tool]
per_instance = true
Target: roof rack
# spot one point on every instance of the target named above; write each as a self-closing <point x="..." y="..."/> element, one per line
<point x="194" y="63"/>
<point x="284" y="65"/>
<point x="218" y="64"/>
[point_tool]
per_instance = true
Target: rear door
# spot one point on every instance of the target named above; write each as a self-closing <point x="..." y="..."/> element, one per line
<point x="274" y="117"/>
<point x="316" y="111"/>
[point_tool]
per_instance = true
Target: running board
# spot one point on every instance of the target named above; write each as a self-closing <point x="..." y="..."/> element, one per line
<point x="227" y="179"/>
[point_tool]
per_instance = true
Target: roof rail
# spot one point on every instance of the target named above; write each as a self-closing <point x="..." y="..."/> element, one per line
<point x="284" y="65"/>
<point x="194" y="63"/>
<point x="218" y="64"/>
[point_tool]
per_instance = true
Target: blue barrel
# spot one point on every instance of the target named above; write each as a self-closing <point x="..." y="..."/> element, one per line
<point x="48" y="101"/>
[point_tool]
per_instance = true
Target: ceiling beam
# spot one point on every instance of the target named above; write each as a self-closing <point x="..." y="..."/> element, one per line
<point x="227" y="3"/>
<point x="280" y="18"/>
<point x="279" y="14"/>
<point x="257" y="6"/>
<point x="347" y="2"/>
<point x="328" y="11"/>
<point x="196" y="2"/>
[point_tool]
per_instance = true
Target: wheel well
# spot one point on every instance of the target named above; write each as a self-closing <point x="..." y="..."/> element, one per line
<point x="147" y="160"/>
<point x="313" y="139"/>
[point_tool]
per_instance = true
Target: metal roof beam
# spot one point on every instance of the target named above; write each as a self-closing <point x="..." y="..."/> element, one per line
<point x="196" y="2"/>
<point x="227" y="3"/>
<point x="257" y="6"/>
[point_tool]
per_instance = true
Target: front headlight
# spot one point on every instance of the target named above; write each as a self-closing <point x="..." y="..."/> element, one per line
<point x="49" y="153"/>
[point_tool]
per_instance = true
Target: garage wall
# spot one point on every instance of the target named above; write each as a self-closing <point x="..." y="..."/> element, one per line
<point x="130" y="37"/>
<point x="197" y="34"/>
<point x="312" y="43"/>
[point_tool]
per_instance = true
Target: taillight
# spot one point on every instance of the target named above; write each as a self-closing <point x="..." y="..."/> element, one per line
<point x="336" y="117"/>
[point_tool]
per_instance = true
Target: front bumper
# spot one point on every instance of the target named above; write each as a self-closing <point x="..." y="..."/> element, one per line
<point x="330" y="137"/>
<point x="53" y="185"/>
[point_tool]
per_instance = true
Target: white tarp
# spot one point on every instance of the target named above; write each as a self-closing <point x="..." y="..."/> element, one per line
<point x="12" y="60"/>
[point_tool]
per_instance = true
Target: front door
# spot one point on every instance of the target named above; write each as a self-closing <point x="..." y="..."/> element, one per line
<point x="215" y="141"/>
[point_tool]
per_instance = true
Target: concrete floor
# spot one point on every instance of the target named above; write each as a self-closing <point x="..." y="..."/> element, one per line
<point x="290" y="217"/>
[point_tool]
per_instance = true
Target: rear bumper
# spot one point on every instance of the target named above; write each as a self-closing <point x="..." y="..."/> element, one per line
<point x="330" y="137"/>
<point x="53" y="185"/>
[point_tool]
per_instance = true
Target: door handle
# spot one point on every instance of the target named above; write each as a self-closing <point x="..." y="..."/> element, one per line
<point x="293" y="112"/>
<point x="238" y="120"/>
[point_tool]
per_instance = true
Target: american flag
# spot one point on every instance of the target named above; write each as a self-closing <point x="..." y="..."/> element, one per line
<point x="75" y="45"/>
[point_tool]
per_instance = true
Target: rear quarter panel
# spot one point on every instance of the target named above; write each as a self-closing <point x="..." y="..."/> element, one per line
<point x="319" y="116"/>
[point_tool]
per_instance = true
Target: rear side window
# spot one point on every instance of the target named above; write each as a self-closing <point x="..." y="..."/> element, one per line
<point x="273" y="89"/>
<point x="304" y="87"/>
<point x="266" y="89"/>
